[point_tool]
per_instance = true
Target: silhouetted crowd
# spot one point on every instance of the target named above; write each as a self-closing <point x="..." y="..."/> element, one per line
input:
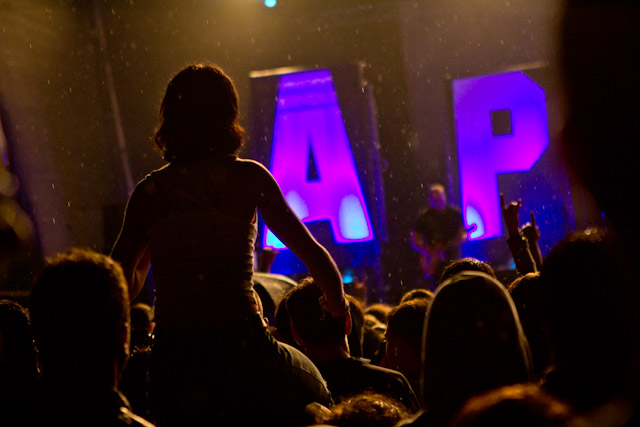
<point x="557" y="346"/>
<point x="544" y="350"/>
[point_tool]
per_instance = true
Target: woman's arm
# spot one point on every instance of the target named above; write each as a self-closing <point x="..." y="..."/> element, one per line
<point x="132" y="247"/>
<point x="283" y="222"/>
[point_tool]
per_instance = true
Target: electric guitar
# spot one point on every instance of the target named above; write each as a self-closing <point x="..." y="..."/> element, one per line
<point x="431" y="259"/>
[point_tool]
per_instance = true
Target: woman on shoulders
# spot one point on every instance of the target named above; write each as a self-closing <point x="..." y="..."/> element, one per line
<point x="195" y="220"/>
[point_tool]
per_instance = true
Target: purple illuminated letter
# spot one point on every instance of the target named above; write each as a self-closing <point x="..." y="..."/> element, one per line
<point x="309" y="130"/>
<point x="501" y="127"/>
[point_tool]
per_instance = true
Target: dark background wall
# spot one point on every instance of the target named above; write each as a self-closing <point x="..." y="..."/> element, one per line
<point x="63" y="131"/>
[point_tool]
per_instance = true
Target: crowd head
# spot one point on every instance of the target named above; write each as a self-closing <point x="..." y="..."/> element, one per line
<point x="80" y="315"/>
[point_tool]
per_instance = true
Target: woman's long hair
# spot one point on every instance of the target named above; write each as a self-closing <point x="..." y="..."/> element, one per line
<point x="199" y="115"/>
<point x="473" y="342"/>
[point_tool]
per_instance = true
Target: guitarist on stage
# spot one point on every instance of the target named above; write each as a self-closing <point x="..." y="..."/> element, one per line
<point x="437" y="235"/>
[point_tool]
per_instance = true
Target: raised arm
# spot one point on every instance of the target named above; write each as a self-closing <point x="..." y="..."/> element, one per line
<point x="532" y="233"/>
<point x="518" y="245"/>
<point x="283" y="222"/>
<point x="132" y="247"/>
<point x="510" y="215"/>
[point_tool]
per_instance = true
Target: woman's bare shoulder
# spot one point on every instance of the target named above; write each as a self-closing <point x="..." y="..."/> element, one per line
<point x="252" y="169"/>
<point x="148" y="187"/>
<point x="164" y="170"/>
<point x="249" y="164"/>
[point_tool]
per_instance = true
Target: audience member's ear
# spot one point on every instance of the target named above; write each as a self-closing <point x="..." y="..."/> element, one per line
<point x="124" y="347"/>
<point x="296" y="336"/>
<point x="347" y="324"/>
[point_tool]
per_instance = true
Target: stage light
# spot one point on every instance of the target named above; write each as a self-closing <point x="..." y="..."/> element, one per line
<point x="270" y="3"/>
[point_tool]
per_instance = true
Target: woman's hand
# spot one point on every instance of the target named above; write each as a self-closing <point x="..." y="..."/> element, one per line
<point x="510" y="215"/>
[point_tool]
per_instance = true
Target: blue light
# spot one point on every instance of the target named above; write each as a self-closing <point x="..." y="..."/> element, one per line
<point x="352" y="221"/>
<point x="475" y="222"/>
<point x="270" y="3"/>
<point x="347" y="277"/>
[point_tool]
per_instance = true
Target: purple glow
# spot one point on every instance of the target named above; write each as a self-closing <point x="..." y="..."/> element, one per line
<point x="308" y="118"/>
<point x="481" y="155"/>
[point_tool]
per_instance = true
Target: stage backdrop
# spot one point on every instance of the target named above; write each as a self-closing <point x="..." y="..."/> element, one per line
<point x="316" y="132"/>
<point x="502" y="124"/>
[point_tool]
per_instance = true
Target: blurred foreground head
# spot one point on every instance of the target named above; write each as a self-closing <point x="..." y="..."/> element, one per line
<point x="523" y="405"/>
<point x="601" y="63"/>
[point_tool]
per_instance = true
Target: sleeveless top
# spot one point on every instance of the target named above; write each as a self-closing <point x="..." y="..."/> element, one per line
<point x="201" y="259"/>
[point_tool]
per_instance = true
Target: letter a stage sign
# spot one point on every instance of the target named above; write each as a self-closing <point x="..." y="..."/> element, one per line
<point x="316" y="131"/>
<point x="312" y="160"/>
